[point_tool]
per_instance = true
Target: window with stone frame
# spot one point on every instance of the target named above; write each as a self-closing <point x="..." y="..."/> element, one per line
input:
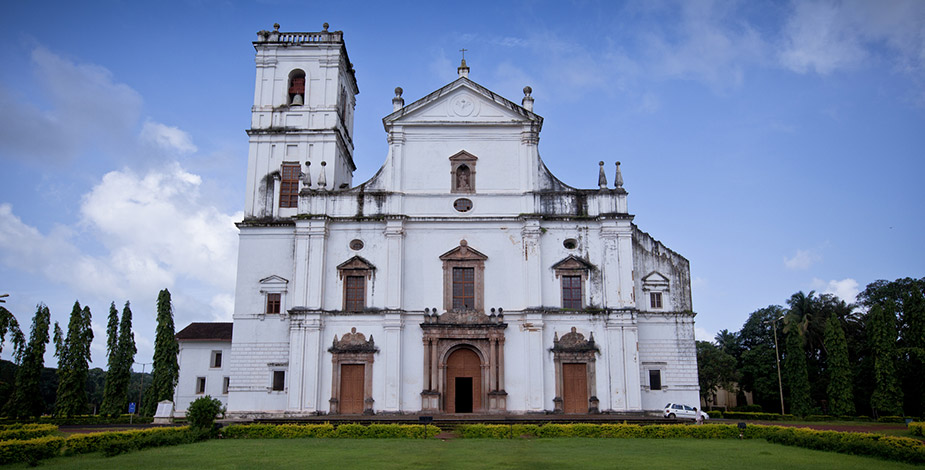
<point x="354" y="273"/>
<point x="463" y="279"/>
<point x="572" y="273"/>
<point x="216" y="360"/>
<point x="655" y="300"/>
<point x="463" y="288"/>
<point x="274" y="301"/>
<point x="289" y="184"/>
<point x="655" y="379"/>
<point x="200" y="385"/>
<point x="279" y="381"/>
<point x="571" y="292"/>
<point x="462" y="172"/>
<point x="225" y="382"/>
<point x="354" y="293"/>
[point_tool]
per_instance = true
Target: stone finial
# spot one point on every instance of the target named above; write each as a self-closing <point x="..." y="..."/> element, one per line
<point x="325" y="27"/>
<point x="602" y="178"/>
<point x="307" y="176"/>
<point x="275" y="27"/>
<point x="398" y="102"/>
<point x="527" y="102"/>
<point x="618" y="179"/>
<point x="322" y="180"/>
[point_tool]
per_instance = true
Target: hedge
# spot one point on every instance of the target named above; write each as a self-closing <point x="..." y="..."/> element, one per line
<point x="24" y="432"/>
<point x="31" y="450"/>
<point x="918" y="429"/>
<point x="117" y="442"/>
<point x="83" y="419"/>
<point x="758" y="416"/>
<point x="327" y="430"/>
<point x="902" y="449"/>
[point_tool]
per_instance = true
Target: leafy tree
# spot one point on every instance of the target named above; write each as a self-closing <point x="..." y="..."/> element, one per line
<point x="166" y="370"/>
<point x="73" y="353"/>
<point x="27" y="398"/>
<point x="913" y="351"/>
<point x="841" y="396"/>
<point x="795" y="374"/>
<point x="9" y="325"/>
<point x="715" y="368"/>
<point x="758" y="361"/>
<point x="729" y="342"/>
<point x="115" y="395"/>
<point x="887" y="397"/>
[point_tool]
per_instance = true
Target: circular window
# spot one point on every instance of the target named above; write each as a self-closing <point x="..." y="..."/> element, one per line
<point x="462" y="205"/>
<point x="570" y="243"/>
<point x="356" y="244"/>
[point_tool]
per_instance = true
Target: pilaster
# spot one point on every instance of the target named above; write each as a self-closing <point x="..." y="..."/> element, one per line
<point x="394" y="235"/>
<point x="392" y="324"/>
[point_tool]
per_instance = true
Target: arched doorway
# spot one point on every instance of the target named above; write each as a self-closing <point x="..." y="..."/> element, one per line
<point x="463" y="382"/>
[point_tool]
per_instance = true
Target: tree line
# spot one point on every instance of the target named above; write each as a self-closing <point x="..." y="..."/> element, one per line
<point x="77" y="384"/>
<point x="836" y="358"/>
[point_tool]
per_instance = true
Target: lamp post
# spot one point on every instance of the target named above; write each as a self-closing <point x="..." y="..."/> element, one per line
<point x="780" y="384"/>
<point x="141" y="387"/>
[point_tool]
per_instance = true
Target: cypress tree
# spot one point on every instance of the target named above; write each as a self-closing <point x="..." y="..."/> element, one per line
<point x="881" y="334"/>
<point x="27" y="397"/>
<point x="9" y="325"/>
<point x="109" y="405"/>
<point x="914" y="336"/>
<point x="73" y="353"/>
<point x="166" y="370"/>
<point x="840" y="393"/>
<point x="126" y="357"/>
<point x="795" y="374"/>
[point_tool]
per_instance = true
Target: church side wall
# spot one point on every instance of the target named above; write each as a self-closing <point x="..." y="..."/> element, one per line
<point x="666" y="344"/>
<point x="194" y="359"/>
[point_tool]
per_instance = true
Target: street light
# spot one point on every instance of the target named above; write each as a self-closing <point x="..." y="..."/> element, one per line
<point x="142" y="387"/>
<point x="780" y="385"/>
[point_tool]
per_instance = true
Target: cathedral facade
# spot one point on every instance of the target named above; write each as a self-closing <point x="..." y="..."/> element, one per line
<point x="462" y="278"/>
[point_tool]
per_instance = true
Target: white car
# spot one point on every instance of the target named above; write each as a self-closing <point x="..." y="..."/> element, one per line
<point x="676" y="410"/>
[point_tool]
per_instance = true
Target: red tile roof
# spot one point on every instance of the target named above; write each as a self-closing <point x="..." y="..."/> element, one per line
<point x="202" y="331"/>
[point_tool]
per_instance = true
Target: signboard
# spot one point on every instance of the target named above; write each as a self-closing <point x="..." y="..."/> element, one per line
<point x="131" y="407"/>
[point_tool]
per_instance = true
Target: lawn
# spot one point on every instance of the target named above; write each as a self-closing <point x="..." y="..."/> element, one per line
<point x="535" y="454"/>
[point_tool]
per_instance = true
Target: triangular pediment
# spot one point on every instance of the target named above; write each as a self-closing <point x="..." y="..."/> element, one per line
<point x="461" y="101"/>
<point x="463" y="156"/>
<point x="655" y="278"/>
<point x="463" y="252"/>
<point x="355" y="264"/>
<point x="274" y="279"/>
<point x="573" y="262"/>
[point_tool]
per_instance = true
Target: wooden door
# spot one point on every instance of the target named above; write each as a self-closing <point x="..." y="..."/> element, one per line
<point x="465" y="364"/>
<point x="352" y="378"/>
<point x="575" y="388"/>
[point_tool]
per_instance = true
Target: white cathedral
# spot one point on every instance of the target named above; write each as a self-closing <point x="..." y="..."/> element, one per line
<point x="462" y="278"/>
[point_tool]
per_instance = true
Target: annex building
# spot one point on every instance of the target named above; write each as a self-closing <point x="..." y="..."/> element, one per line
<point x="462" y="278"/>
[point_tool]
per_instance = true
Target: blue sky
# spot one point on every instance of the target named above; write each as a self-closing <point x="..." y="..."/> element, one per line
<point x="778" y="146"/>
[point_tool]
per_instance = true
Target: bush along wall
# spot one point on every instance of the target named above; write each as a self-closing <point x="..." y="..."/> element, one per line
<point x="114" y="443"/>
<point x="901" y="449"/>
<point x="918" y="429"/>
<point x="31" y="450"/>
<point x="327" y="430"/>
<point x="24" y="432"/>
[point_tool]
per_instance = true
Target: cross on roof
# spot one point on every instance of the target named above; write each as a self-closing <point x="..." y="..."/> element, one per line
<point x="463" y="50"/>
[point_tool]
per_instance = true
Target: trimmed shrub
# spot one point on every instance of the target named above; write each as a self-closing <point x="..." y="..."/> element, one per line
<point x="24" y="432"/>
<point x="83" y="419"/>
<point x="202" y="412"/>
<point x="918" y="429"/>
<point x="31" y="450"/>
<point x="903" y="449"/>
<point x="758" y="416"/>
<point x="715" y="414"/>
<point x="748" y="409"/>
<point x="891" y="419"/>
<point x="327" y="430"/>
<point x="113" y="443"/>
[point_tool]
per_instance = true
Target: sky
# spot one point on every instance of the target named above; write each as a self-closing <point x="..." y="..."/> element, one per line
<point x="778" y="146"/>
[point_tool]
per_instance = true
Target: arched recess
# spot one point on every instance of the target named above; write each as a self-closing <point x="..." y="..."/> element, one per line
<point x="296" y="89"/>
<point x="465" y="379"/>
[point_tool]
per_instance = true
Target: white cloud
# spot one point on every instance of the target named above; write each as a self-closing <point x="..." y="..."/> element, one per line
<point x="87" y="108"/>
<point x="701" y="334"/>
<point x="802" y="260"/>
<point x="846" y="289"/>
<point x="826" y="36"/>
<point x="167" y="137"/>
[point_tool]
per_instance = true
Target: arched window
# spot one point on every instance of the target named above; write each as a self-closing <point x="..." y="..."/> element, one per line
<point x="297" y="88"/>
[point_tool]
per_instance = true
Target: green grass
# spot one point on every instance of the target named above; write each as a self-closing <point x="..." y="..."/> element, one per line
<point x="534" y="454"/>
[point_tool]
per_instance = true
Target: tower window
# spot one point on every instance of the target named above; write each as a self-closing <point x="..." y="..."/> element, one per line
<point x="289" y="185"/>
<point x="571" y="292"/>
<point x="463" y="288"/>
<point x="655" y="299"/>
<point x="273" y="302"/>
<point x="355" y="293"/>
<point x="655" y="379"/>
<point x="297" y="88"/>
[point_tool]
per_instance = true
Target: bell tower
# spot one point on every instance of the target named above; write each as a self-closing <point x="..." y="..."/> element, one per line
<point x="301" y="135"/>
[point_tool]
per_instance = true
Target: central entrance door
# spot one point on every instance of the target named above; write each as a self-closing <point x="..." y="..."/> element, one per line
<point x="464" y="382"/>
<point x="575" y="381"/>
<point x="351" y="388"/>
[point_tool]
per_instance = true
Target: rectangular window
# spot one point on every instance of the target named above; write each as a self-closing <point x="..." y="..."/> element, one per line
<point x="274" y="302"/>
<point x="655" y="379"/>
<point x="216" y="359"/>
<point x="279" y="380"/>
<point x="200" y="385"/>
<point x="571" y="292"/>
<point x="655" y="299"/>
<point x="225" y="382"/>
<point x="463" y="288"/>
<point x="289" y="185"/>
<point x="355" y="294"/>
